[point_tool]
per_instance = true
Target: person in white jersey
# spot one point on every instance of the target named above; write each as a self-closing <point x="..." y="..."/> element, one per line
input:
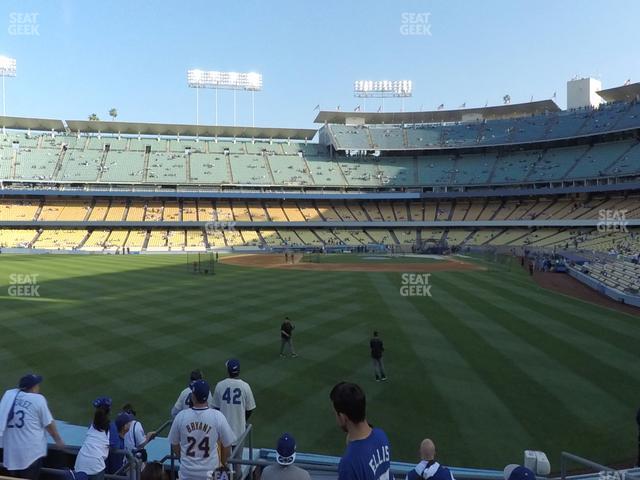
<point x="92" y="456"/>
<point x="184" y="399"/>
<point x="25" y="418"/>
<point x="234" y="398"/>
<point x="195" y="434"/>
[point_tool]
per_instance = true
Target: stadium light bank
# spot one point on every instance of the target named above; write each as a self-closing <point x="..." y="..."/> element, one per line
<point x="7" y="69"/>
<point x="251" y="82"/>
<point x="382" y="89"/>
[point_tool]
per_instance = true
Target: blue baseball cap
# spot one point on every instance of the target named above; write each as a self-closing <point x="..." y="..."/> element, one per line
<point x="122" y="419"/>
<point x="518" y="472"/>
<point x="200" y="390"/>
<point x="233" y="366"/>
<point x="102" y="402"/>
<point x="29" y="381"/>
<point x="286" y="450"/>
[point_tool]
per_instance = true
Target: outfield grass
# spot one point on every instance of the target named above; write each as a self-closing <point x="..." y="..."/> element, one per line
<point x="489" y="366"/>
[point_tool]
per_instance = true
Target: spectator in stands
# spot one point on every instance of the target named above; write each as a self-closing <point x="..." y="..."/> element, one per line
<point x="24" y="419"/>
<point x="184" y="399"/>
<point x="234" y="398"/>
<point x="286" y="332"/>
<point x="203" y="430"/>
<point x="135" y="438"/>
<point x="118" y="429"/>
<point x="93" y="454"/>
<point x="428" y="467"/>
<point x="518" y="472"/>
<point x="377" y="348"/>
<point x="368" y="452"/>
<point x="285" y="456"/>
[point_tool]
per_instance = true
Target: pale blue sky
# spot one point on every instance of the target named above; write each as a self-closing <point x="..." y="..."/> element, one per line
<point x="89" y="56"/>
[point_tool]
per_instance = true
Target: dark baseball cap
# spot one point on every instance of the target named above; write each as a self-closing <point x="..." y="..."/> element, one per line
<point x="200" y="390"/>
<point x="29" y="381"/>
<point x="233" y="365"/>
<point x="122" y="419"/>
<point x="286" y="449"/>
<point x="102" y="402"/>
<point x="518" y="472"/>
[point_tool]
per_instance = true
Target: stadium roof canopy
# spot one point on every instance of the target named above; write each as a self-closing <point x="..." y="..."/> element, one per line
<point x="625" y="93"/>
<point x="21" y="123"/>
<point x="133" y="128"/>
<point x="439" y="116"/>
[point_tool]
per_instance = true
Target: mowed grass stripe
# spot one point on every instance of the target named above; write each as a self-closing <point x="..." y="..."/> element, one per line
<point x="619" y="364"/>
<point x="500" y="374"/>
<point x="509" y="334"/>
<point x="452" y="375"/>
<point x="588" y="317"/>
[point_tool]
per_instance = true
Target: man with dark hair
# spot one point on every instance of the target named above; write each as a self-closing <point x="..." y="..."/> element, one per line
<point x="25" y="419"/>
<point x="376" y="355"/>
<point x="286" y="331"/>
<point x="368" y="453"/>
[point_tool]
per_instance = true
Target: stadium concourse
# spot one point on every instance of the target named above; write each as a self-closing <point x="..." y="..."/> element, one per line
<point x="551" y="188"/>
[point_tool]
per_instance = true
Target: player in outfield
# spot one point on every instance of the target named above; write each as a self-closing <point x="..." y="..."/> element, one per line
<point x="195" y="434"/>
<point x="286" y="334"/>
<point x="377" y="348"/>
<point x="24" y="420"/>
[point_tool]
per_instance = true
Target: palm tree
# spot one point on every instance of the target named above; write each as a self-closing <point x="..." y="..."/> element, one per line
<point x="113" y="113"/>
<point x="93" y="118"/>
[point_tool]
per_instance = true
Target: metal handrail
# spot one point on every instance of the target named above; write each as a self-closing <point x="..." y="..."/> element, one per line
<point x="597" y="467"/>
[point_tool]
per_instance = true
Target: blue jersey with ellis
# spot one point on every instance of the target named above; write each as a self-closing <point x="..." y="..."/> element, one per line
<point x="366" y="459"/>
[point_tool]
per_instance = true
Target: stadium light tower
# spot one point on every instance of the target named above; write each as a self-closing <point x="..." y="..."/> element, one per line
<point x="251" y="82"/>
<point x="383" y="89"/>
<point x="7" y="69"/>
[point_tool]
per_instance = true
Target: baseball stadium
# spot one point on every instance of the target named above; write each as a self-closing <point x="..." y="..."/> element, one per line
<point x="494" y="249"/>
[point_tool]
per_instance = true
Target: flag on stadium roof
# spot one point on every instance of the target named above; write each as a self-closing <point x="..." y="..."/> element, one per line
<point x="441" y="106"/>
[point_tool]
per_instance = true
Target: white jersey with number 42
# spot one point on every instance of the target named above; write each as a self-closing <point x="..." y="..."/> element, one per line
<point x="197" y="431"/>
<point x="233" y="397"/>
